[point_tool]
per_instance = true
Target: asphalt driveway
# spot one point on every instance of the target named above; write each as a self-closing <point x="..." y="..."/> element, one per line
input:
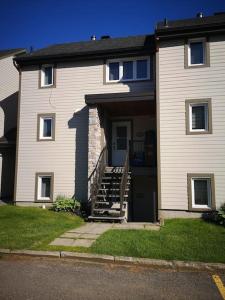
<point x="35" y="278"/>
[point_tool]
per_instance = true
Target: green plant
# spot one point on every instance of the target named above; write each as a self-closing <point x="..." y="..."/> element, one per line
<point x="64" y="203"/>
<point x="216" y="216"/>
<point x="221" y="215"/>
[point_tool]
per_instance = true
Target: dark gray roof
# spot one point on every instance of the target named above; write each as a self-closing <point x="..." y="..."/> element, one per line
<point x="92" y="47"/>
<point x="9" y="52"/>
<point x="210" y="22"/>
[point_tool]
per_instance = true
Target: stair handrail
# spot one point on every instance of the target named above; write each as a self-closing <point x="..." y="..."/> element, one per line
<point x="95" y="178"/>
<point x="124" y="181"/>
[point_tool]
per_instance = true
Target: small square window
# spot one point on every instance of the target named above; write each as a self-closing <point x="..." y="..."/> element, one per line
<point x="198" y="116"/>
<point x="46" y="127"/>
<point x="142" y="69"/>
<point x="44" y="186"/>
<point x="201" y="191"/>
<point x="197" y="53"/>
<point x="47" y="76"/>
<point x="114" y="71"/>
<point x="128" y="70"/>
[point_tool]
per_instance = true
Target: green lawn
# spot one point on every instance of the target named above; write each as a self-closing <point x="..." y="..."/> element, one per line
<point x="32" y="228"/>
<point x="180" y="239"/>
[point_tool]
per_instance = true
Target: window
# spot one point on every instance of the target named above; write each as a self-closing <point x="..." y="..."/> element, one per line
<point x="46" y="127"/>
<point x="121" y="132"/>
<point x="128" y="70"/>
<point x="198" y="116"/>
<point x="44" y="186"/>
<point x="142" y="69"/>
<point x="201" y="191"/>
<point x="47" y="76"/>
<point x="196" y="53"/>
<point x="114" y="71"/>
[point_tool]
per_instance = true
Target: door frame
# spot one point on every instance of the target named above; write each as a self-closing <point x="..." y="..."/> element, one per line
<point x="110" y="135"/>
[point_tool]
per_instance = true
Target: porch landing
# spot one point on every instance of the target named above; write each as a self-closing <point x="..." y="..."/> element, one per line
<point x="87" y="234"/>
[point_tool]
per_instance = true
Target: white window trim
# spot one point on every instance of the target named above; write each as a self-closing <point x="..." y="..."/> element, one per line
<point x="209" y="191"/>
<point x="203" y="40"/>
<point x="205" y="104"/>
<point x="41" y="137"/>
<point x="39" y="188"/>
<point x="43" y="76"/>
<point x="134" y="60"/>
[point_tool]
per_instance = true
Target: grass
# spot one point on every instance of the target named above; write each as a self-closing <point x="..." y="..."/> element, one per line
<point x="32" y="228"/>
<point x="180" y="239"/>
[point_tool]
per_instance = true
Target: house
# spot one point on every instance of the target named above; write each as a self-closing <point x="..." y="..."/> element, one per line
<point x="133" y="125"/>
<point x="9" y="87"/>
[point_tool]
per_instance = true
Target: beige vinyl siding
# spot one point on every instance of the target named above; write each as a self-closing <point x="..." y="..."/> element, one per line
<point x="67" y="156"/>
<point x="9" y="85"/>
<point x="180" y="153"/>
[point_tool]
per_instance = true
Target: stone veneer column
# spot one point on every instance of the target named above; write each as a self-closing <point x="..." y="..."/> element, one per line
<point x="94" y="138"/>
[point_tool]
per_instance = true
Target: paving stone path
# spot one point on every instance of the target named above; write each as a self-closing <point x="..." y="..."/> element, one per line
<point x="87" y="234"/>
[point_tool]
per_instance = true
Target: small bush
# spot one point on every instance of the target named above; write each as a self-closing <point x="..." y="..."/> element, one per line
<point x="63" y="203"/>
<point x="216" y="216"/>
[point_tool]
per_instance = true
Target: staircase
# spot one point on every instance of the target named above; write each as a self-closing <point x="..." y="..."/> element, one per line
<point x="108" y="203"/>
<point x="110" y="191"/>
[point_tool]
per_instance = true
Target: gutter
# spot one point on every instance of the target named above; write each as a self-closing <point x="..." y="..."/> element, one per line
<point x="29" y="60"/>
<point x="177" y="33"/>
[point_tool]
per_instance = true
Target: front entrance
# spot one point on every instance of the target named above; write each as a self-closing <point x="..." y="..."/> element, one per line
<point x="121" y="135"/>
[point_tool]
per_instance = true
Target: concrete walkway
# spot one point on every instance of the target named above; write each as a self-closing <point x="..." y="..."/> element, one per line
<point x="87" y="234"/>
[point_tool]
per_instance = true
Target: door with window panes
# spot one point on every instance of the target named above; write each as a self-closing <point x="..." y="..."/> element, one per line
<point x="121" y="135"/>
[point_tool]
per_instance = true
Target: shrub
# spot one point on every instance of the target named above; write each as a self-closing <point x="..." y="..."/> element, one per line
<point x="221" y="215"/>
<point x="64" y="203"/>
<point x="217" y="216"/>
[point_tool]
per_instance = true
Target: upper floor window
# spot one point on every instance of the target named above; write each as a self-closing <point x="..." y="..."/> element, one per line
<point x="197" y="53"/>
<point x="47" y="76"/>
<point x="46" y="127"/>
<point x="198" y="114"/>
<point x="128" y="69"/>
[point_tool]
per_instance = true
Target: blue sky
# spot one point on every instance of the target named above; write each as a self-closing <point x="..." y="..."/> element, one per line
<point x="38" y="23"/>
